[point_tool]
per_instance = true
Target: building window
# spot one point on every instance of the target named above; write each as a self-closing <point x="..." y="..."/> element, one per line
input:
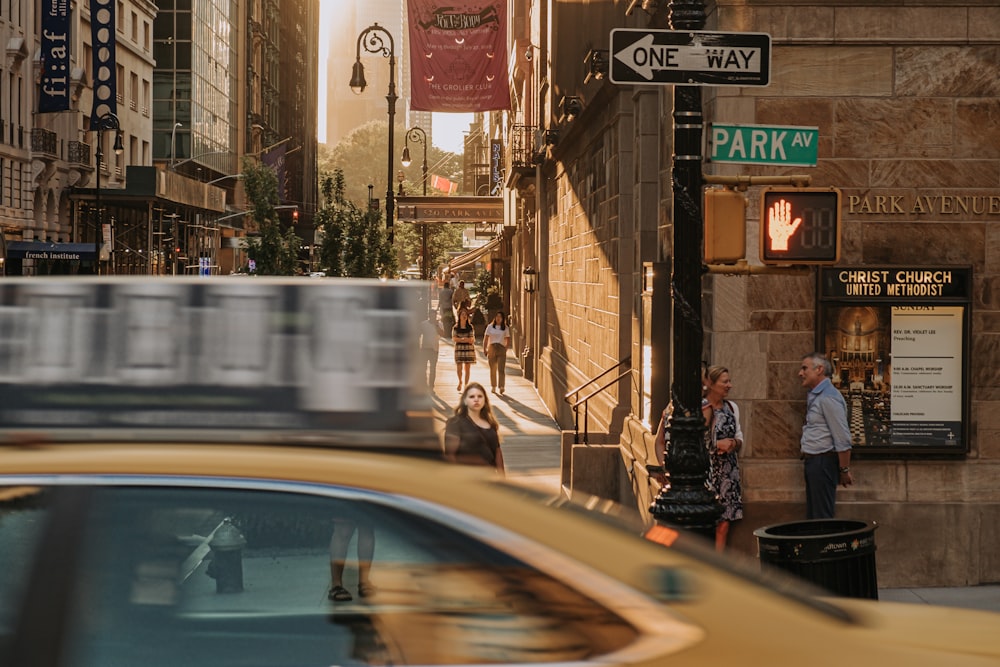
<point x="135" y="28"/>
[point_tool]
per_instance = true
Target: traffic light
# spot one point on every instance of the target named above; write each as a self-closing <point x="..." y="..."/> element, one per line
<point x="725" y="226"/>
<point x="800" y="226"/>
<point x="295" y="216"/>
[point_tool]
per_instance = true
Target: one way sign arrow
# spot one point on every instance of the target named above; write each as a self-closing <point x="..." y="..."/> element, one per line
<point x="690" y="57"/>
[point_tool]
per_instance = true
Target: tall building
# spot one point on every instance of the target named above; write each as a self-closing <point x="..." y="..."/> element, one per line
<point x="194" y="87"/>
<point x="168" y="201"/>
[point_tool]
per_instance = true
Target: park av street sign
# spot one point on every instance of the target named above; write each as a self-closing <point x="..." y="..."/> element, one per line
<point x="787" y="145"/>
<point x="689" y="57"/>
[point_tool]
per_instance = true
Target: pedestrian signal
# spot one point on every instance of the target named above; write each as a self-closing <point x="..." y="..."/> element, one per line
<point x="725" y="226"/>
<point x="800" y="226"/>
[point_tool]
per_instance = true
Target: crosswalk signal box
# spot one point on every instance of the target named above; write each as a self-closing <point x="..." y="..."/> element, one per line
<point x="725" y="226"/>
<point x="800" y="226"/>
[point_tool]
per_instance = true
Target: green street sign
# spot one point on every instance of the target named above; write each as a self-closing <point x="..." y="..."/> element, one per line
<point x="761" y="144"/>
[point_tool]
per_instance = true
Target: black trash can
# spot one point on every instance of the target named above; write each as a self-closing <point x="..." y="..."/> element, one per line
<point x="835" y="554"/>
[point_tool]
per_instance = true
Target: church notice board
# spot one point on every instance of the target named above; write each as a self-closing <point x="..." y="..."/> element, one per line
<point x="898" y="340"/>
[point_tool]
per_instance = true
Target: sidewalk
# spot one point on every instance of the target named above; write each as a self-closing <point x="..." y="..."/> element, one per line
<point x="530" y="437"/>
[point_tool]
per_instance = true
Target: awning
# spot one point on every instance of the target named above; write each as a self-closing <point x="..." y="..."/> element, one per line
<point x="45" y="250"/>
<point x="473" y="255"/>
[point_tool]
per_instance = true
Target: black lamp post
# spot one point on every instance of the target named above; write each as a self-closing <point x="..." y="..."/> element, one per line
<point x="374" y="38"/>
<point x="686" y="502"/>
<point x="108" y="121"/>
<point x="417" y="134"/>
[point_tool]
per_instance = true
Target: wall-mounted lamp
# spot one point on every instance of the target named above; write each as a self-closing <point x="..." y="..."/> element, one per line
<point x="571" y="107"/>
<point x="529" y="279"/>
<point x="596" y="61"/>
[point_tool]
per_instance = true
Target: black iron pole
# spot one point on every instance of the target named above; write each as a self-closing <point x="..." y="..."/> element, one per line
<point x="687" y="502"/>
<point x="417" y="133"/>
<point x="374" y="39"/>
<point x="108" y="121"/>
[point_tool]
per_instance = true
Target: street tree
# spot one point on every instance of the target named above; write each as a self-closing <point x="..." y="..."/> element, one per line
<point x="352" y="241"/>
<point x="274" y="251"/>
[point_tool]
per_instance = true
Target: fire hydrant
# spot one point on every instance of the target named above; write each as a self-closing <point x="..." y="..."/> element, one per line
<point x="227" y="558"/>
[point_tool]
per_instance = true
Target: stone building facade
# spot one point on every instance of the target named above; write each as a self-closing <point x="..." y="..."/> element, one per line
<point x="906" y="101"/>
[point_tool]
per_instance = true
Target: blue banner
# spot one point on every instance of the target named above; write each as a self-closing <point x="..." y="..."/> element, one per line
<point x="102" y="32"/>
<point x="53" y="88"/>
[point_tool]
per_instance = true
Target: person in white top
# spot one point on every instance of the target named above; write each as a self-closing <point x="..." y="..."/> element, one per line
<point x="496" y="340"/>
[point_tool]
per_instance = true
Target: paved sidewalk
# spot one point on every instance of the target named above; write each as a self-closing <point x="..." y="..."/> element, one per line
<point x="530" y="437"/>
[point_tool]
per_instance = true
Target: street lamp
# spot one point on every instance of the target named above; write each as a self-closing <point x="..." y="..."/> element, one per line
<point x="417" y="134"/>
<point x="686" y="502"/>
<point x="374" y="38"/>
<point x="108" y="121"/>
<point x="173" y="145"/>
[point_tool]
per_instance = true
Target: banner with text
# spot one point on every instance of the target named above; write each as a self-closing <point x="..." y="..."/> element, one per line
<point x="102" y="35"/>
<point x="458" y="56"/>
<point x="53" y="88"/>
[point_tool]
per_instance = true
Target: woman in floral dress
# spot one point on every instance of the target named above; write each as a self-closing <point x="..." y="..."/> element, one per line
<point x="724" y="446"/>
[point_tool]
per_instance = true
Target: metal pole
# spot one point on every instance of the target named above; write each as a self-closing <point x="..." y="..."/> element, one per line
<point x="99" y="223"/>
<point x="687" y="502"/>
<point x="375" y="43"/>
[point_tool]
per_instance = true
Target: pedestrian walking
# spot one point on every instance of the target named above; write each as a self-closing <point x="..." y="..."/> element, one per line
<point x="826" y="438"/>
<point x="459" y="297"/>
<point x="430" y="340"/>
<point x="472" y="435"/>
<point x="496" y="340"/>
<point x="343" y="529"/>
<point x="464" y="337"/>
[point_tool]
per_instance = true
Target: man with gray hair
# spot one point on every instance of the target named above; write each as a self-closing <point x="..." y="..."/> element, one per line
<point x="826" y="438"/>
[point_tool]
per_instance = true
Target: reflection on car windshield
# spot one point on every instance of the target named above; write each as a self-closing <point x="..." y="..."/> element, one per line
<point x="217" y="577"/>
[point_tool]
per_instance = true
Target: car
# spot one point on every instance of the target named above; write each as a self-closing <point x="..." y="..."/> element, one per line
<point x="194" y="517"/>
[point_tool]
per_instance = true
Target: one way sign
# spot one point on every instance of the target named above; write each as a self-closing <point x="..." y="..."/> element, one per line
<point x="690" y="57"/>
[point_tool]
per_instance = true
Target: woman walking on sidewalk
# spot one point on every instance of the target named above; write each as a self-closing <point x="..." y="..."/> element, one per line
<point x="496" y="340"/>
<point x="472" y="435"/>
<point x="465" y="346"/>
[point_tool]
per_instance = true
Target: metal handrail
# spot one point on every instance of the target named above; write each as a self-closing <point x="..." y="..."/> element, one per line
<point x="585" y="400"/>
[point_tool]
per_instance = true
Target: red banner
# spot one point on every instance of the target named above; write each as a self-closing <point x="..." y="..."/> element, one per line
<point x="458" y="55"/>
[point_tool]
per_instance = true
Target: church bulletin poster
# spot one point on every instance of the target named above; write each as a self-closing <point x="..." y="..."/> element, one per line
<point x="897" y="338"/>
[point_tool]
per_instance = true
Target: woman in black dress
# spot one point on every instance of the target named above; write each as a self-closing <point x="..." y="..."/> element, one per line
<point x="472" y="435"/>
<point x="465" y="346"/>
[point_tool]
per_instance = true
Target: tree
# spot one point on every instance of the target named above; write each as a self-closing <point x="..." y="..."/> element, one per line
<point x="362" y="155"/>
<point x="441" y="240"/>
<point x="353" y="242"/>
<point x="275" y="253"/>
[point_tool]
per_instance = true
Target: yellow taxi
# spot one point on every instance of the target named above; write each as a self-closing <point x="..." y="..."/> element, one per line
<point x="202" y="506"/>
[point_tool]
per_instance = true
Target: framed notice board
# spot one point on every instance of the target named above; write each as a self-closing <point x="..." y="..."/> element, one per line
<point x="898" y="340"/>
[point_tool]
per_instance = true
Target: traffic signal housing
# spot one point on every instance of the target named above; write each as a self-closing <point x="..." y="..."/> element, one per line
<point x="800" y="226"/>
<point x="725" y="226"/>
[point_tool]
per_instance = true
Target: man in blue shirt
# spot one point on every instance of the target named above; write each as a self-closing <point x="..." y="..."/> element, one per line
<point x="826" y="438"/>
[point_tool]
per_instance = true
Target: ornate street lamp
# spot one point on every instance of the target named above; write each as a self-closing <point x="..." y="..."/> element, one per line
<point x="108" y="121"/>
<point x="377" y="39"/>
<point x="417" y="134"/>
<point x="686" y="502"/>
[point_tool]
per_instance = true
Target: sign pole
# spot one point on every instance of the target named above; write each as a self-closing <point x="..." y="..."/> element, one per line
<point x="686" y="502"/>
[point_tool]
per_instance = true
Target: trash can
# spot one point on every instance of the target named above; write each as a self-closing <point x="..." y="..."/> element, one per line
<point x="835" y="554"/>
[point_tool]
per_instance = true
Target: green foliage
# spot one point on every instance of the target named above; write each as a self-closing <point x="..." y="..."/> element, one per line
<point x="352" y="242"/>
<point x="488" y="292"/>
<point x="441" y="239"/>
<point x="275" y="251"/>
<point x="363" y="155"/>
